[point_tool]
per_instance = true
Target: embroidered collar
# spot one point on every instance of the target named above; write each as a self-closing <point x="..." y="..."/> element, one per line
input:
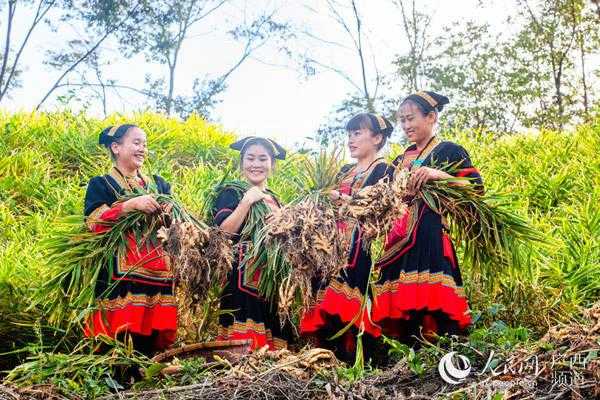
<point x="129" y="183"/>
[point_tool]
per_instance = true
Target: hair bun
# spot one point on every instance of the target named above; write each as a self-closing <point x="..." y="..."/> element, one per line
<point x="441" y="100"/>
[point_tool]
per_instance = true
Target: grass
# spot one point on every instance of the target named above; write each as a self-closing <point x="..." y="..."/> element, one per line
<point x="84" y="371"/>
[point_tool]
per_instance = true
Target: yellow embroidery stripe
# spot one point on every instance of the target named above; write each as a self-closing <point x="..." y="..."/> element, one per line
<point x="345" y="290"/>
<point x="381" y="121"/>
<point x="274" y="148"/>
<point x="426" y="151"/>
<point x="425" y="96"/>
<point x="358" y="184"/>
<point x="138" y="300"/>
<point x="94" y="217"/>
<point x="412" y="222"/>
<point x="128" y="184"/>
<point x="418" y="277"/>
<point x="138" y="269"/>
<point x="320" y="296"/>
<point x="279" y="344"/>
<point x="250" y="325"/>
<point x="271" y="144"/>
<point x="113" y="130"/>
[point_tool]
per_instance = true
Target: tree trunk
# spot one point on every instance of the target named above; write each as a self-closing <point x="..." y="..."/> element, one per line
<point x="362" y="59"/>
<point x="39" y="15"/>
<point x="586" y="106"/>
<point x="11" y="14"/>
<point x="169" y="102"/>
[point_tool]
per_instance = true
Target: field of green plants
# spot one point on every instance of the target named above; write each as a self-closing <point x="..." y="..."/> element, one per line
<point x="551" y="178"/>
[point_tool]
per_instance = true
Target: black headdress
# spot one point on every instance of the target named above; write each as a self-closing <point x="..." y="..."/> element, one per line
<point x="278" y="151"/>
<point x="428" y="101"/>
<point x="113" y="133"/>
<point x="377" y="123"/>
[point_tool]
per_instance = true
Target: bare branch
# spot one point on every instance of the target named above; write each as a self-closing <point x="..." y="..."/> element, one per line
<point x="532" y="15"/>
<point x="325" y="41"/>
<point x="340" y="19"/>
<point x="12" y="5"/>
<point x="338" y="71"/>
<point x="378" y="76"/>
<point x="39" y="16"/>
<point x="107" y="85"/>
<point x="248" y="50"/>
<point x="87" y="54"/>
<point x="206" y="14"/>
<point x="361" y="56"/>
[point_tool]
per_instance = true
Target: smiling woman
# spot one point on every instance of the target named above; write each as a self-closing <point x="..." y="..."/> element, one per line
<point x="134" y="292"/>
<point x="420" y="288"/>
<point x="246" y="313"/>
<point x="341" y="302"/>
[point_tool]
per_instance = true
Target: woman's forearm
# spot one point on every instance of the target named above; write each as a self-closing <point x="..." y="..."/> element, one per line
<point x="235" y="220"/>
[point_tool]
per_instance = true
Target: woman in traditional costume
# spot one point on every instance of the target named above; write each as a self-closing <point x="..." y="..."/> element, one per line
<point x="245" y="313"/>
<point x="134" y="293"/>
<point x="420" y="288"/>
<point x="341" y="301"/>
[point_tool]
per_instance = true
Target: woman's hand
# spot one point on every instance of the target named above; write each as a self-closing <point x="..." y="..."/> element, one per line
<point x="167" y="208"/>
<point x="146" y="204"/>
<point x="269" y="218"/>
<point x="253" y="195"/>
<point x="335" y="195"/>
<point x="422" y="175"/>
<point x="235" y="220"/>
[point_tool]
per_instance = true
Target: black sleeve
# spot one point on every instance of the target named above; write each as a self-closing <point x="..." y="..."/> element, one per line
<point x="163" y="186"/>
<point x="456" y="155"/>
<point x="96" y="195"/>
<point x="225" y="203"/>
<point x="380" y="171"/>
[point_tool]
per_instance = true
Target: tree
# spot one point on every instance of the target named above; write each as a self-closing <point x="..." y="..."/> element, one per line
<point x="160" y="37"/>
<point x="13" y="50"/>
<point x="547" y="43"/>
<point x="487" y="92"/>
<point x="587" y="38"/>
<point x="157" y="30"/>
<point x="166" y="26"/>
<point x="363" y="77"/>
<point x="536" y="78"/>
<point x="90" y="75"/>
<point x="597" y="3"/>
<point x="103" y="19"/>
<point x="410" y="66"/>
<point x="350" y="21"/>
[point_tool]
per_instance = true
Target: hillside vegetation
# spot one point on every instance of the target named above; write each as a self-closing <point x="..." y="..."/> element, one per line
<point x="552" y="178"/>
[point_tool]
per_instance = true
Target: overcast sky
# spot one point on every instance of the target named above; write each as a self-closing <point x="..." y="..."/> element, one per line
<point x="262" y="99"/>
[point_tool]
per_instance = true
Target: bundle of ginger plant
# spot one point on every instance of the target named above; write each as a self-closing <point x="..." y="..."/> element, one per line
<point x="303" y="244"/>
<point x="375" y="208"/>
<point x="306" y="234"/>
<point x="200" y="256"/>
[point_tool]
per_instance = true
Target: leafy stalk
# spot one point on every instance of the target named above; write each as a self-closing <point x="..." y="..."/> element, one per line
<point x="489" y="231"/>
